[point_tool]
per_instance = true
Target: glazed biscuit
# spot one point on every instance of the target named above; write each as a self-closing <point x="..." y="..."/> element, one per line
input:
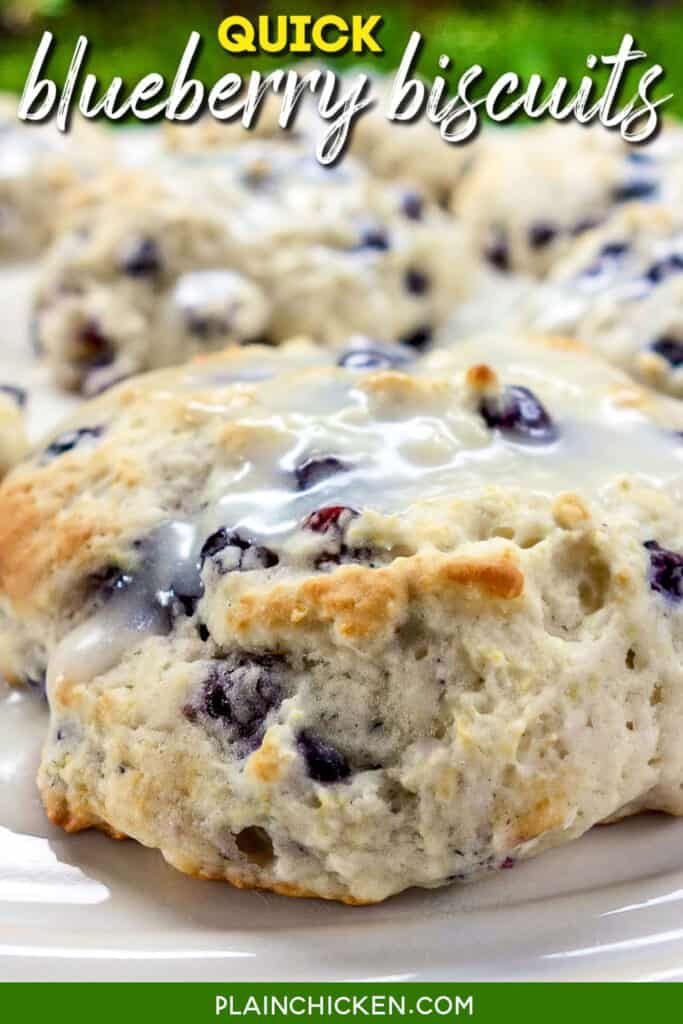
<point x="338" y="630"/>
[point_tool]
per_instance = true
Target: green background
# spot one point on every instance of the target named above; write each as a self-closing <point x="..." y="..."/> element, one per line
<point x="194" y="1004"/>
<point x="132" y="38"/>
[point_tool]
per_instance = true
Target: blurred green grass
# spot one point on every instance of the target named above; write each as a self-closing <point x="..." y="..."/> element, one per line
<point x="131" y="39"/>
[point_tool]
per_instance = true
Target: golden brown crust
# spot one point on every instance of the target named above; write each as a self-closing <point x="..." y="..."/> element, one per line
<point x="38" y="538"/>
<point x="570" y="511"/>
<point x="540" y="806"/>
<point x="61" y="815"/>
<point x="481" y="378"/>
<point x="279" y="888"/>
<point x="265" y="764"/>
<point x="545" y="815"/>
<point x="498" y="579"/>
<point x="358" y="602"/>
<point x="361" y="603"/>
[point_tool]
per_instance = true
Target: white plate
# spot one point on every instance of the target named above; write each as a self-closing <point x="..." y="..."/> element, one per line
<point x="86" y="908"/>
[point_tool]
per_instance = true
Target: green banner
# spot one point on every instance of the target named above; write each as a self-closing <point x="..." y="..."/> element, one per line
<point x="499" y="1003"/>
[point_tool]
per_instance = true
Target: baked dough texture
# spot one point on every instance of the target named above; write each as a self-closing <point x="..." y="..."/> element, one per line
<point x="259" y="244"/>
<point x="338" y="630"/>
<point x="533" y="191"/>
<point x="396" y="151"/>
<point x="39" y="168"/>
<point x="410" y="151"/>
<point x="620" y="289"/>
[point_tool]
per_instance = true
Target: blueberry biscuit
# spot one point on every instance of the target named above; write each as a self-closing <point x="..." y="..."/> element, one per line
<point x="620" y="289"/>
<point x="410" y="152"/>
<point x="207" y="134"/>
<point x="38" y="169"/>
<point x="259" y="245"/>
<point x="426" y="627"/>
<point x="533" y="191"/>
